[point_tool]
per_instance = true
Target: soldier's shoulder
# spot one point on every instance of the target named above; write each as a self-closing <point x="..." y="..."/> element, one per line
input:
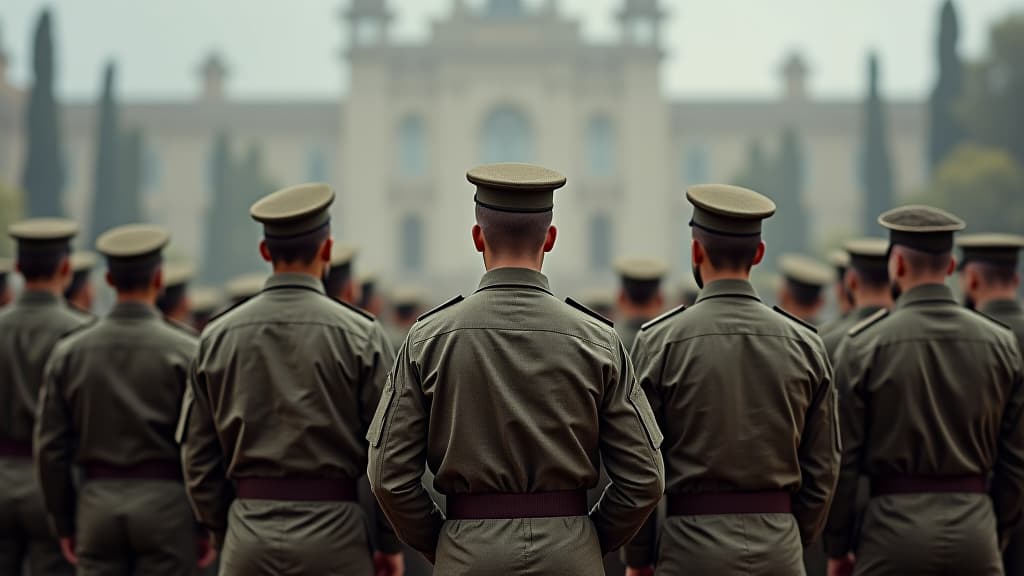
<point x="447" y="305"/>
<point x="658" y="320"/>
<point x="576" y="305"/>
<point x="180" y="333"/>
<point x="990" y="320"/>
<point x="354" y="311"/>
<point x="795" y="320"/>
<point x="866" y="324"/>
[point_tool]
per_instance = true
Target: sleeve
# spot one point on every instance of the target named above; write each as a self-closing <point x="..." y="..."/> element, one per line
<point x="203" y="460"/>
<point x="819" y="457"/>
<point x="398" y="455"/>
<point x="54" y="452"/>
<point x="630" y="445"/>
<point x="641" y="551"/>
<point x="1008" y="473"/>
<point x="379" y="359"/>
<point x="851" y="373"/>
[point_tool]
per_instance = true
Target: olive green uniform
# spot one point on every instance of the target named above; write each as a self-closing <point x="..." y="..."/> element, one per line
<point x="833" y="337"/>
<point x="512" y="391"/>
<point x="1011" y="313"/>
<point x="629" y="329"/>
<point x="29" y="329"/>
<point x="110" y="401"/>
<point x="284" y="387"/>
<point x="745" y="398"/>
<point x="933" y="391"/>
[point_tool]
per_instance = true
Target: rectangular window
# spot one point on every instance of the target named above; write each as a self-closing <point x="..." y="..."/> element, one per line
<point x="601" y="242"/>
<point x="411" y="248"/>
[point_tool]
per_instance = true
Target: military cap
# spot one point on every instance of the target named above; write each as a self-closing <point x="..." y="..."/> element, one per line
<point x="6" y="266"/>
<point x="407" y="296"/>
<point x="342" y="253"/>
<point x="997" y="249"/>
<point x="43" y="234"/>
<point x="839" y="259"/>
<point x="83" y="261"/>
<point x="132" y="246"/>
<point x="294" y="211"/>
<point x="511" y="187"/>
<point x="729" y="210"/>
<point x="868" y="253"/>
<point x="598" y="299"/>
<point x="245" y="286"/>
<point x="205" y="300"/>
<point x="804" y="270"/>
<point x="178" y="274"/>
<point x="922" y="228"/>
<point x="641" y="269"/>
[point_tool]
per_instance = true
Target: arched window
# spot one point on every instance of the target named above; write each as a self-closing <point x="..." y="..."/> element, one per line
<point x="600" y="147"/>
<point x="412" y="147"/>
<point x="507" y="136"/>
<point x="601" y="241"/>
<point x="411" y="243"/>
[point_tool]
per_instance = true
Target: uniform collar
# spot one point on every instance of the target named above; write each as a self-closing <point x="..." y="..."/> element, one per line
<point x="293" y="280"/>
<point x="1001" y="307"/>
<point x="926" y="293"/>
<point x="133" y="311"/>
<point x="728" y="287"/>
<point x="522" y="277"/>
<point x="38" y="298"/>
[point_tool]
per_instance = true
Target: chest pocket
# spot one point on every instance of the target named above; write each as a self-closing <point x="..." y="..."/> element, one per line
<point x="380" y="417"/>
<point x="643" y="410"/>
<point x="186" y="411"/>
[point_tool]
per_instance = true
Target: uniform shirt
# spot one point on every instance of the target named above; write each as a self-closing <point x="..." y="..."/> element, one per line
<point x="1008" y="312"/>
<point x="284" y="385"/>
<point x="944" y="385"/>
<point x="745" y="399"/>
<point x="835" y="335"/>
<point x="112" y="395"/>
<point x="513" y="391"/>
<point x="629" y="329"/>
<point x="29" y="329"/>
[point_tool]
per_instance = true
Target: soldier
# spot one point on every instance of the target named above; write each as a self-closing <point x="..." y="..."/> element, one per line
<point x="203" y="303"/>
<point x="282" y="392"/>
<point x="745" y="398"/>
<point x="990" y="280"/>
<point x="173" y="301"/>
<point x="840" y="262"/>
<point x="867" y="284"/>
<point x="512" y="398"/>
<point x="242" y="288"/>
<point x="931" y="413"/>
<point x="803" y="283"/>
<point x="640" y="297"/>
<point x="407" y="305"/>
<point x="6" y="267"/>
<point x="29" y="329"/>
<point x="369" y="299"/>
<point x="338" y="282"/>
<point x="110" y="400"/>
<point x="80" y="293"/>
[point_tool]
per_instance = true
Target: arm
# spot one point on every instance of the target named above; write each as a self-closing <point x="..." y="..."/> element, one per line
<point x="378" y="358"/>
<point x="850" y="376"/>
<point x="54" y="441"/>
<point x="202" y="459"/>
<point x="398" y="454"/>
<point x="1008" y="474"/>
<point x="630" y="441"/>
<point x="819" y="458"/>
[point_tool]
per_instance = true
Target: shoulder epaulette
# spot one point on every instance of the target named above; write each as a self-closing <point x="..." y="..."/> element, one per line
<point x="223" y="311"/>
<point x="357" y="310"/>
<point x="663" y="317"/>
<point x="447" y="304"/>
<point x="990" y="319"/>
<point x="867" y="322"/>
<point x="181" y="327"/>
<point x="83" y="326"/>
<point x="803" y="323"/>
<point x="589" y="312"/>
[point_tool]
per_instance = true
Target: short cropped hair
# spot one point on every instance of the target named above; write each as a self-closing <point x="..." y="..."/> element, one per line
<point x="996" y="274"/>
<point x="133" y="277"/>
<point x="336" y="279"/>
<point x="297" y="249"/>
<point x="171" y="298"/>
<point x="728" y="252"/>
<point x="805" y="295"/>
<point x="36" y="265"/>
<point x="640" y="292"/>
<point x="514" y="233"/>
<point x="873" y="277"/>
<point x="78" y="282"/>
<point x="926" y="262"/>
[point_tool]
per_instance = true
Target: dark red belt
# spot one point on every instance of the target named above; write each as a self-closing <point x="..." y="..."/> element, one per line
<point x="15" y="449"/>
<point x="154" y="470"/>
<point x="704" y="504"/>
<point x="297" y="489"/>
<point x="886" y="485"/>
<point x="525" y="505"/>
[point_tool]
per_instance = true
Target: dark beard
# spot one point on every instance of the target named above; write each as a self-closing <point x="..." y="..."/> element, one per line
<point x="697" y="277"/>
<point x="896" y="291"/>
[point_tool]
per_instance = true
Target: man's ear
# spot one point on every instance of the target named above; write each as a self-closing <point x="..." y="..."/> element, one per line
<point x="759" y="256"/>
<point x="851" y="280"/>
<point x="549" y="240"/>
<point x="952" y="267"/>
<point x="110" y="280"/>
<point x="157" y="282"/>
<point x="325" y="250"/>
<point x="478" y="238"/>
<point x="65" y="268"/>
<point x="696" y="253"/>
<point x="264" y="252"/>
<point x="348" y="292"/>
<point x="901" y="265"/>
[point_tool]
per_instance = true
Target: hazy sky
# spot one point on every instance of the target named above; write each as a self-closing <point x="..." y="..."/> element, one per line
<point x="292" y="48"/>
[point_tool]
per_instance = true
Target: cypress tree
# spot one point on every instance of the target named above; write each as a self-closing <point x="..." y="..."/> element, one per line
<point x="945" y="131"/>
<point x="790" y="222"/>
<point x="129" y="178"/>
<point x="877" y="166"/>
<point x="43" y="176"/>
<point x="105" y="201"/>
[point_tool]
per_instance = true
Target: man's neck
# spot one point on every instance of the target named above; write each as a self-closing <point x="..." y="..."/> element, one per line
<point x="984" y="297"/>
<point x="53" y="286"/>
<point x="148" y="298"/>
<point x="314" y="270"/>
<point x="709" y="275"/>
<point x="873" y="299"/>
<point x="527" y="262"/>
<point x="909" y="284"/>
